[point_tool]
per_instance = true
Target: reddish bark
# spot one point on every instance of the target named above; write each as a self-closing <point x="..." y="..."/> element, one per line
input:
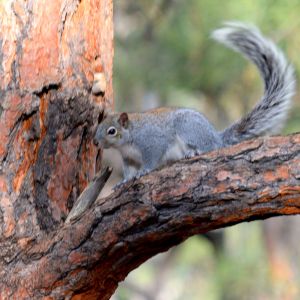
<point x="49" y="52"/>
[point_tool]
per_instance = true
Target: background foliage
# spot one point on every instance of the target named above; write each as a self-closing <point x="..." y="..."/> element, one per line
<point x="164" y="56"/>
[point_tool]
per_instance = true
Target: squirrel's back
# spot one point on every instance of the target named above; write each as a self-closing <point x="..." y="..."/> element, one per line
<point x="185" y="129"/>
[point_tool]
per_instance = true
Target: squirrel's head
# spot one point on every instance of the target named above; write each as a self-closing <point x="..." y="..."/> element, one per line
<point x="112" y="131"/>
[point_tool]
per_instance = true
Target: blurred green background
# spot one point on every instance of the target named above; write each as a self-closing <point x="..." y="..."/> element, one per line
<point x="164" y="56"/>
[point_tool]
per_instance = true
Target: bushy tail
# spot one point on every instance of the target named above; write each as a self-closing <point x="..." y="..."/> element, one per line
<point x="268" y="116"/>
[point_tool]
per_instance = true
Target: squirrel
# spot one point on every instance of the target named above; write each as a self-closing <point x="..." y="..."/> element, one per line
<point x="154" y="138"/>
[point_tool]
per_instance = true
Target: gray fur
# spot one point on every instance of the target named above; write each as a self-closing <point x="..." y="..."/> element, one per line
<point x="269" y="115"/>
<point x="157" y="137"/>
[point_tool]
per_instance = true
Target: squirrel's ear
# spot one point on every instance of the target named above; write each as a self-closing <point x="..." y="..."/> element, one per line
<point x="123" y="120"/>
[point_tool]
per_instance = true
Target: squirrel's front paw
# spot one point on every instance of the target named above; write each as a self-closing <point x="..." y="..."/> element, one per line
<point x="191" y="153"/>
<point x="141" y="173"/>
<point x="136" y="176"/>
<point x="115" y="187"/>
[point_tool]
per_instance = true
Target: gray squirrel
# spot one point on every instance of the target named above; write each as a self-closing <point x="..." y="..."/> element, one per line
<point x="154" y="138"/>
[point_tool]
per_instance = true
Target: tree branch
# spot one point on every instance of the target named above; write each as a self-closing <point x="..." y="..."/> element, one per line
<point x="89" y="195"/>
<point x="250" y="181"/>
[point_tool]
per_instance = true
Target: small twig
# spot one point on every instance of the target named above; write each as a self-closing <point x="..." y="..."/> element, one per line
<point x="89" y="195"/>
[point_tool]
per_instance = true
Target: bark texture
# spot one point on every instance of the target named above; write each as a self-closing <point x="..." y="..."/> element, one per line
<point x="86" y="259"/>
<point x="49" y="52"/>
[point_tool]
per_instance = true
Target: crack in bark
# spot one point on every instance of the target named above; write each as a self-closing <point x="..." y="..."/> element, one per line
<point x="81" y="143"/>
<point x="15" y="82"/>
<point x="67" y="10"/>
<point x="46" y="89"/>
<point x="23" y="117"/>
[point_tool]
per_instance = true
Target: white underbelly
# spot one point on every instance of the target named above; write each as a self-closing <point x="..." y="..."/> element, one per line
<point x="176" y="151"/>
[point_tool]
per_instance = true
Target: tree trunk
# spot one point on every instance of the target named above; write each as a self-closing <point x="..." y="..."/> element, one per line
<point x="49" y="54"/>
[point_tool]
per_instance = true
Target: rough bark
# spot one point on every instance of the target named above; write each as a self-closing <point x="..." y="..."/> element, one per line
<point x="49" y="52"/>
<point x="87" y="258"/>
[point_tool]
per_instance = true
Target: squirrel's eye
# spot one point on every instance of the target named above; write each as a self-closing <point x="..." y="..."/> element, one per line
<point x="112" y="131"/>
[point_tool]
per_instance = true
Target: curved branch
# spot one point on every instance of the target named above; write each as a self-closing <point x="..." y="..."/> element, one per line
<point x="89" y="195"/>
<point x="250" y="181"/>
